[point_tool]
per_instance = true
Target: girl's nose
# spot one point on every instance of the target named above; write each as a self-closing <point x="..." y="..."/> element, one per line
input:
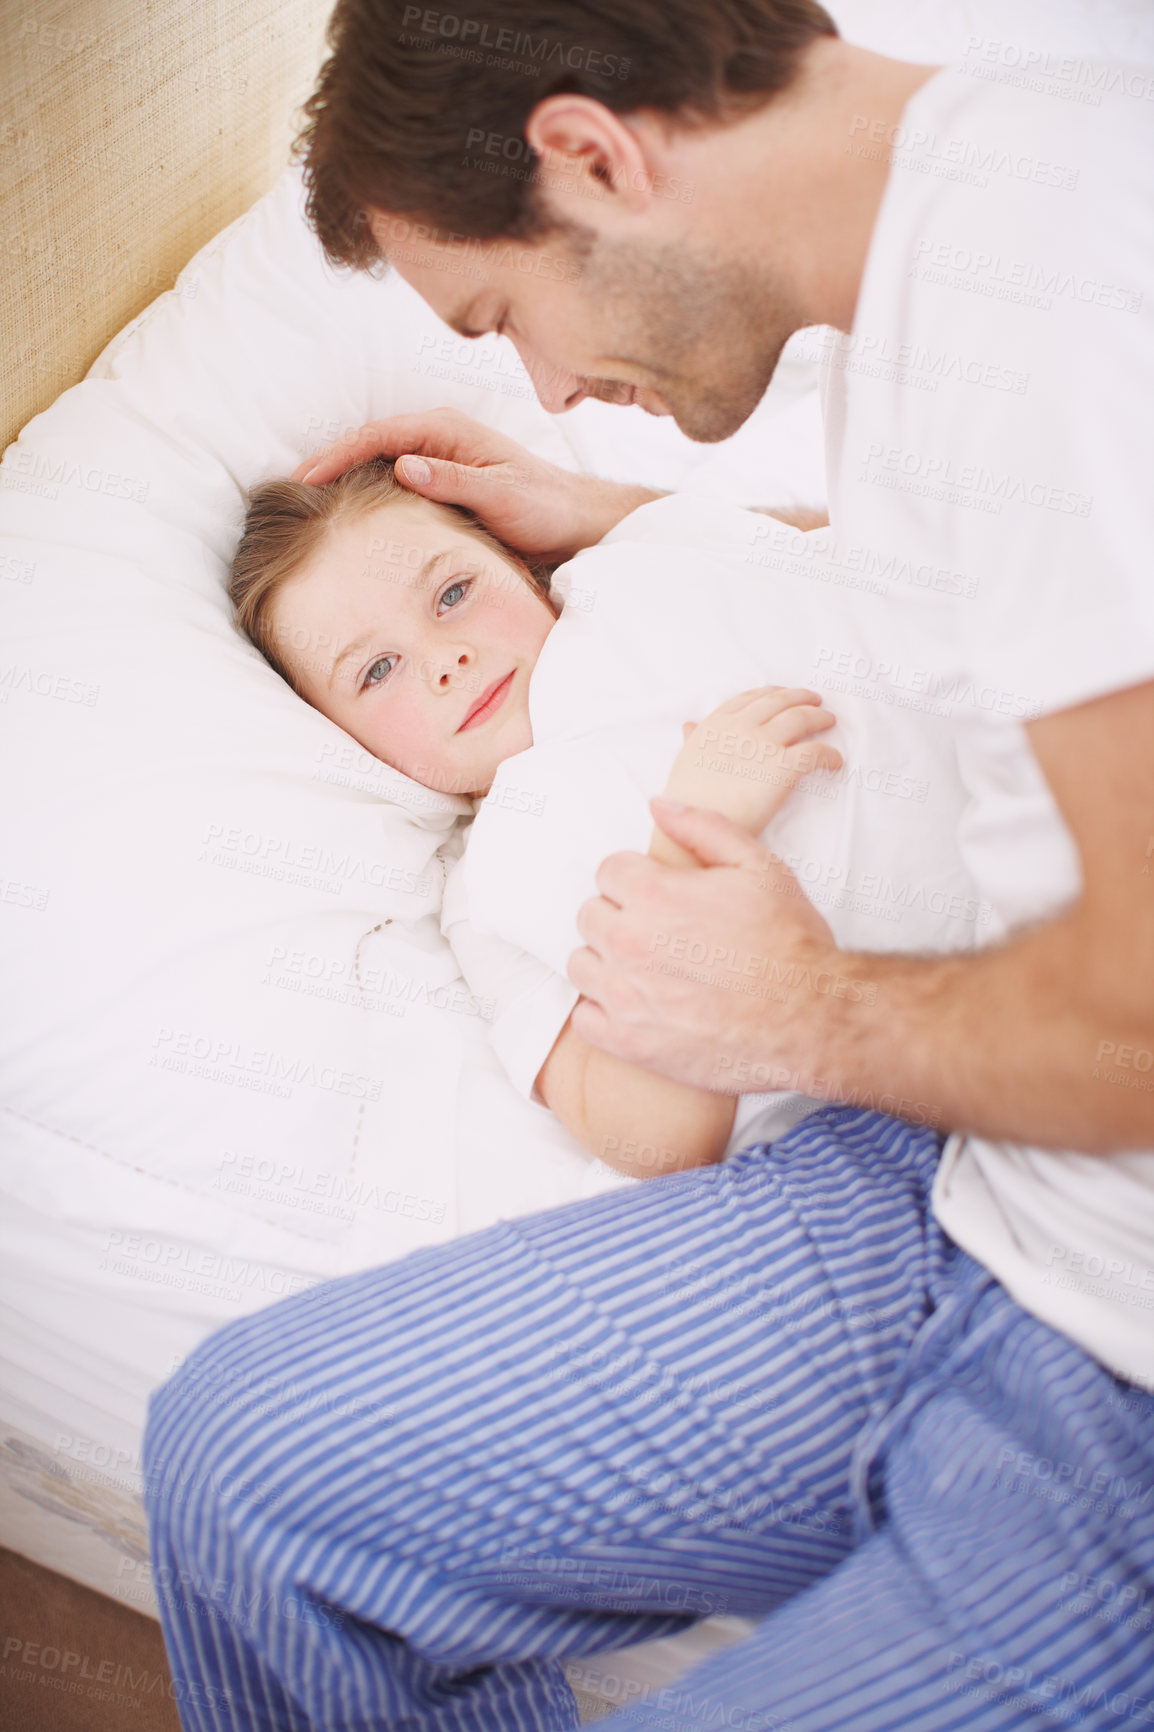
<point x="452" y="667"/>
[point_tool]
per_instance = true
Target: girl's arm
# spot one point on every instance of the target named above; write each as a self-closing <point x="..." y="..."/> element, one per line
<point x="630" y="1118"/>
<point x="742" y="760"/>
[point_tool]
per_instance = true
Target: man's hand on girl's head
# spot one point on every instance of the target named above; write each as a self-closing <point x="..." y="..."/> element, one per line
<point x="528" y="503"/>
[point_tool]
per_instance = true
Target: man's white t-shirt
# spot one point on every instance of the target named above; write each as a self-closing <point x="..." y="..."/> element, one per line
<point x="991" y="414"/>
<point x="989" y="455"/>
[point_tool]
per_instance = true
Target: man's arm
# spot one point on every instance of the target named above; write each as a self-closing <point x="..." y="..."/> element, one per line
<point x="528" y="503"/>
<point x="1045" y="1039"/>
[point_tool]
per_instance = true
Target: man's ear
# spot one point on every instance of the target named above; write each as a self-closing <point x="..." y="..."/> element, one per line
<point x="591" y="161"/>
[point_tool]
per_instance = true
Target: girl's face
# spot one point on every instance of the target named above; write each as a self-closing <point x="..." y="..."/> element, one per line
<point x="418" y="640"/>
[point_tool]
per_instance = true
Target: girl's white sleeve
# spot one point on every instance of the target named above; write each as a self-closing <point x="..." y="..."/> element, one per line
<point x="529" y="1002"/>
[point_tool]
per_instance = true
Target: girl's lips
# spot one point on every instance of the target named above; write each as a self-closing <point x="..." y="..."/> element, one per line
<point x="488" y="705"/>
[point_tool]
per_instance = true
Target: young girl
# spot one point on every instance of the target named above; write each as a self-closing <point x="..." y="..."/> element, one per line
<point x="411" y="627"/>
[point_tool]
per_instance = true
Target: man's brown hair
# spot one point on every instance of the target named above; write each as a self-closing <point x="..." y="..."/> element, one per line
<point x="421" y="112"/>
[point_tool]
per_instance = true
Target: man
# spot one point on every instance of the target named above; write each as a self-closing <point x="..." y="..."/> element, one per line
<point x="893" y="1400"/>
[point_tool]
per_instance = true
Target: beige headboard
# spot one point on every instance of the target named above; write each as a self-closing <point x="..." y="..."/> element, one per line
<point x="132" y="131"/>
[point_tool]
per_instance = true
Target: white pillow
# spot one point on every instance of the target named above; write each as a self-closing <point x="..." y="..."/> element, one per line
<point x="180" y="825"/>
<point x="203" y="1106"/>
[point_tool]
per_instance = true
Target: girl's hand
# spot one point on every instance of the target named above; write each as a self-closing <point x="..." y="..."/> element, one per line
<point x="745" y="757"/>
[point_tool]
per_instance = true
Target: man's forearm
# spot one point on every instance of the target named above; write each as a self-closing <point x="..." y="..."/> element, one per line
<point x="803" y="517"/>
<point x="599" y="506"/>
<point x="608" y="502"/>
<point x="1047" y="1039"/>
<point x="1013" y="1042"/>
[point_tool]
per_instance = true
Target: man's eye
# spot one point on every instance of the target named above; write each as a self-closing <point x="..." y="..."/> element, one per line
<point x="378" y="672"/>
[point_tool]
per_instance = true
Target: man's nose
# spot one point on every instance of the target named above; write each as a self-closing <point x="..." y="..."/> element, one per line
<point x="557" y="388"/>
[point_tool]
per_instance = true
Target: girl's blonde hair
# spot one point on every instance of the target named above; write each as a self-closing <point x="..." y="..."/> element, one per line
<point x="286" y="522"/>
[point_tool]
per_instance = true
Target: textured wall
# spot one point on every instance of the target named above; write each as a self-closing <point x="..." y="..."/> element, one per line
<point x="131" y="131"/>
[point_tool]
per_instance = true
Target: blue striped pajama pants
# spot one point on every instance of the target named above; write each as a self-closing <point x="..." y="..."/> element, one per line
<point x="772" y="1388"/>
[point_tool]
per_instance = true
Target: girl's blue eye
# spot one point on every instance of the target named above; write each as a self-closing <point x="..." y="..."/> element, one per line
<point x="459" y="585"/>
<point x="379" y="671"/>
<point x="385" y="662"/>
